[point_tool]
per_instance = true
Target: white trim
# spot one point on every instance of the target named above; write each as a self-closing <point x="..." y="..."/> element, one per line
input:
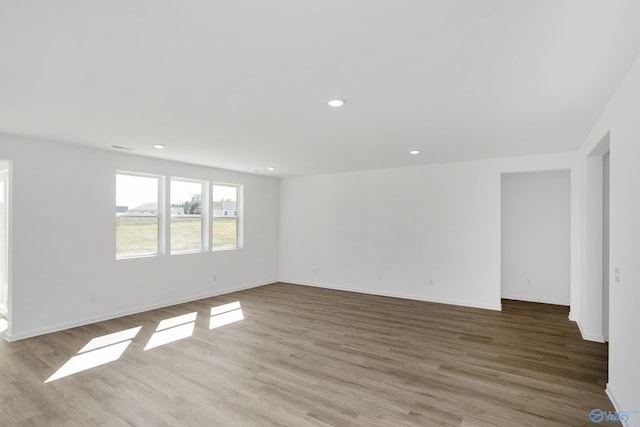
<point x="8" y="291"/>
<point x="161" y="248"/>
<point x="164" y="223"/>
<point x="239" y="215"/>
<point x="235" y="248"/>
<point x="616" y="405"/>
<point x="534" y="299"/>
<point x="589" y="337"/>
<point x="4" y="280"/>
<point x="188" y="251"/>
<point x="150" y="255"/>
<point x="497" y="307"/>
<point x="204" y="211"/>
<point x="87" y="321"/>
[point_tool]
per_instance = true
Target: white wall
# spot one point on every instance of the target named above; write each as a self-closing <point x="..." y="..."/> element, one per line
<point x="536" y="236"/>
<point x="424" y="232"/>
<point x="620" y="120"/>
<point x="64" y="267"/>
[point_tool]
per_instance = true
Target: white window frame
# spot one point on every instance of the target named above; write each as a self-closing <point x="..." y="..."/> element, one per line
<point x="204" y="213"/>
<point x="239" y="215"/>
<point x="161" y="215"/>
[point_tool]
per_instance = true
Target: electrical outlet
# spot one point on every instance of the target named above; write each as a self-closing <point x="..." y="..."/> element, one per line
<point x="617" y="274"/>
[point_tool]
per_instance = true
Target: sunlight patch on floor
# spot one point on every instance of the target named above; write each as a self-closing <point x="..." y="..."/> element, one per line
<point x="98" y="351"/>
<point x="225" y="314"/>
<point x="178" y="320"/>
<point x="225" y="307"/>
<point x="173" y="329"/>
<point x="109" y="348"/>
<point x="106" y="340"/>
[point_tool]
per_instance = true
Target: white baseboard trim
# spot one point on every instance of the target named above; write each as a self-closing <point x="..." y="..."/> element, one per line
<point x="533" y="299"/>
<point x="616" y="405"/>
<point x="496" y="307"/>
<point x="589" y="337"/>
<point x="101" y="318"/>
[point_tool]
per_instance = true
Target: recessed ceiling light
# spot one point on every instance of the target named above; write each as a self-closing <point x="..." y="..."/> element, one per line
<point x="414" y="152"/>
<point x="271" y="168"/>
<point x="159" y="146"/>
<point x="336" y="103"/>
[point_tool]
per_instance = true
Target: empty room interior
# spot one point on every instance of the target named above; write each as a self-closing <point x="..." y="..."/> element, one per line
<point x="336" y="213"/>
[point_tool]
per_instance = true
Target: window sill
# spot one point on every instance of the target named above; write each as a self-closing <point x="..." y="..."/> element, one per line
<point x="192" y="251"/>
<point x="121" y="257"/>
<point x="225" y="249"/>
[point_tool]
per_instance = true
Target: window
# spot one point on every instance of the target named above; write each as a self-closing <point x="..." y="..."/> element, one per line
<point x="137" y="215"/>
<point x="186" y="215"/>
<point x="224" y="216"/>
<point x="161" y="215"/>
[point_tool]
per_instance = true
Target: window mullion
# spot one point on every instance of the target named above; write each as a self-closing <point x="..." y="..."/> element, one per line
<point x="205" y="214"/>
<point x="164" y="207"/>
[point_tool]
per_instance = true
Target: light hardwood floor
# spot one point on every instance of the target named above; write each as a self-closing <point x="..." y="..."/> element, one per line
<point x="314" y="357"/>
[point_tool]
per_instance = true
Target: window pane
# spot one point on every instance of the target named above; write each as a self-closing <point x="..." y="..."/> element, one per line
<point x="136" y="215"/>
<point x="136" y="235"/>
<point x="186" y="218"/>
<point x="225" y="232"/>
<point x="225" y="216"/>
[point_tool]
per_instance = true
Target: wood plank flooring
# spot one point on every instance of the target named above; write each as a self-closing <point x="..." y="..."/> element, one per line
<point x="305" y="356"/>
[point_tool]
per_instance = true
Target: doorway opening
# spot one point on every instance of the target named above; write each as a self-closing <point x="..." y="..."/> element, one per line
<point x="536" y="236"/>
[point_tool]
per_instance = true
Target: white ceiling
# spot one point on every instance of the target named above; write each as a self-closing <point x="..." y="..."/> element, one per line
<point x="244" y="84"/>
